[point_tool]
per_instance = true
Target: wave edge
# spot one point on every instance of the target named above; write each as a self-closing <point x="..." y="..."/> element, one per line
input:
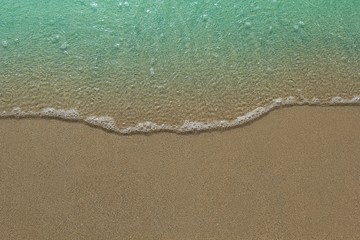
<point x="108" y="123"/>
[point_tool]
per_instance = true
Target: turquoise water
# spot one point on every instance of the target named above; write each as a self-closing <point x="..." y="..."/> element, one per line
<point x="180" y="65"/>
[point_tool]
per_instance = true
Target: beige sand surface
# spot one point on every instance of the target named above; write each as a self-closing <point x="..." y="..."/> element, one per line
<point x="294" y="174"/>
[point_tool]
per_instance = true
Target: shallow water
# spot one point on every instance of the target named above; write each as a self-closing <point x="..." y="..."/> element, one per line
<point x="182" y="66"/>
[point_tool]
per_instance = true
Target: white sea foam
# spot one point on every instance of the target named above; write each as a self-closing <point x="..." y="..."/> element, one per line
<point x="190" y="126"/>
<point x="109" y="123"/>
<point x="342" y="101"/>
<point x="103" y="121"/>
<point x="146" y="127"/>
<point x="70" y="114"/>
<point x="18" y="113"/>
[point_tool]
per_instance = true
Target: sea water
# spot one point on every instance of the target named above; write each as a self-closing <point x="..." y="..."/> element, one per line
<point x="136" y="65"/>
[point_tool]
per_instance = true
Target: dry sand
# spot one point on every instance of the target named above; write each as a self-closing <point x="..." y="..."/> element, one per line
<point x="293" y="174"/>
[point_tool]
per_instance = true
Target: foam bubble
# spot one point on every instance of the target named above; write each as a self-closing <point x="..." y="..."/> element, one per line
<point x="55" y="38"/>
<point x="146" y="127"/>
<point x="4" y="43"/>
<point x="17" y="112"/>
<point x="336" y="100"/>
<point x="189" y="126"/>
<point x="103" y="121"/>
<point x="250" y="116"/>
<point x="271" y="29"/>
<point x="64" y="46"/>
<point x="342" y="101"/>
<point x="355" y="100"/>
<point x="126" y="4"/>
<point x="277" y="102"/>
<point x="315" y="101"/>
<point x="70" y="114"/>
<point x="290" y="101"/>
<point x="152" y="71"/>
<point x="248" y="25"/>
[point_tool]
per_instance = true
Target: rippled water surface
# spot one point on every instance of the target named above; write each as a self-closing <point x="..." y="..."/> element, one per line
<point x="180" y="65"/>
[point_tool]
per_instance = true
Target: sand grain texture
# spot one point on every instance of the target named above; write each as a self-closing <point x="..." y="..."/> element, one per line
<point x="293" y="174"/>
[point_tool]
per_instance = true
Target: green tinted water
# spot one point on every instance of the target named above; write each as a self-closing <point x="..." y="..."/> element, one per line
<point x="171" y="61"/>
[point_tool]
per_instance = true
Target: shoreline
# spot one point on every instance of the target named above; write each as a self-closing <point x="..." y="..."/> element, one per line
<point x="107" y="123"/>
<point x="292" y="174"/>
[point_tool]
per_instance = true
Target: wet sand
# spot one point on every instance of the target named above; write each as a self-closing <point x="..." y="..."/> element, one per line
<point x="293" y="174"/>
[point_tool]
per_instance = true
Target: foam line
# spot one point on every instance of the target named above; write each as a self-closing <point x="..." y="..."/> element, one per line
<point x="109" y="123"/>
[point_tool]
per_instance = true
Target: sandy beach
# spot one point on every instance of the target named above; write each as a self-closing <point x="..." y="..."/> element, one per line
<point x="293" y="174"/>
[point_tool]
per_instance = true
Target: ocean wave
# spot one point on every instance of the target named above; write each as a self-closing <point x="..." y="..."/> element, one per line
<point x="108" y="123"/>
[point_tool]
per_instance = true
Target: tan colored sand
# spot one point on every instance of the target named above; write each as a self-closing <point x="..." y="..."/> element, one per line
<point x="294" y="174"/>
